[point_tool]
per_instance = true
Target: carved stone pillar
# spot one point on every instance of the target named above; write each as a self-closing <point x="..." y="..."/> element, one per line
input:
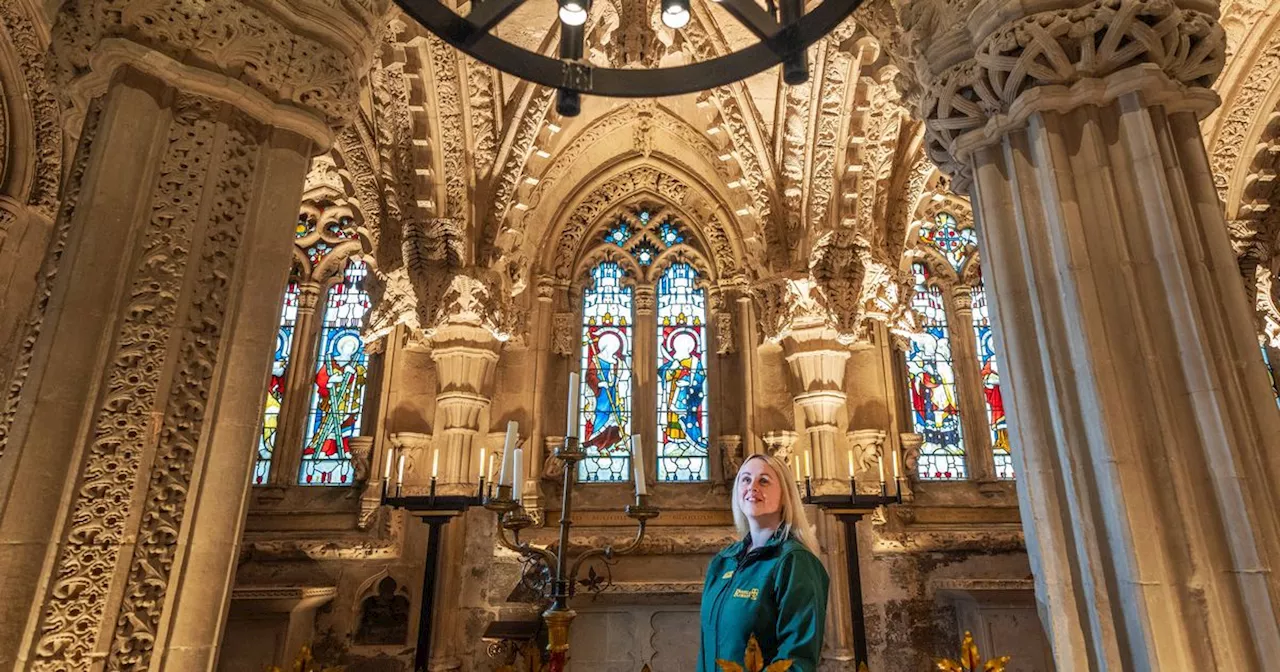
<point x="129" y="456"/>
<point x="286" y="463"/>
<point x="979" y="461"/>
<point x="465" y="359"/>
<point x="817" y="362"/>
<point x="1146" y="433"/>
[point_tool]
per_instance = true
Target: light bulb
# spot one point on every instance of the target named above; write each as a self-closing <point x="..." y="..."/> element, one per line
<point x="573" y="14"/>
<point x="675" y="17"/>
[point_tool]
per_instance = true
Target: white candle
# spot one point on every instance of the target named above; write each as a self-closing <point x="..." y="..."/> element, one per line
<point x="880" y="463"/>
<point x="850" y="463"/>
<point x="435" y="463"/>
<point x="480" y="473"/>
<point x="571" y="421"/>
<point x="386" y="473"/>
<point x="508" y="453"/>
<point x="518" y="488"/>
<point x="400" y="471"/>
<point x="493" y="457"/>
<point x="637" y="462"/>
<point x="896" y="474"/>
<point x="808" y="465"/>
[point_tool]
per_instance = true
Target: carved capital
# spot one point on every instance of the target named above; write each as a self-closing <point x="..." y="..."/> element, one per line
<point x="779" y="444"/>
<point x="293" y="64"/>
<point x="985" y="69"/>
<point x="465" y="360"/>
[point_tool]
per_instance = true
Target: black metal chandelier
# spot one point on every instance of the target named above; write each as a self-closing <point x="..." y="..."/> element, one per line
<point x="784" y="29"/>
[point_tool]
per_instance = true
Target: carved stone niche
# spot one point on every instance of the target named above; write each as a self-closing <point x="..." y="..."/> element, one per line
<point x="384" y="616"/>
<point x="269" y="625"/>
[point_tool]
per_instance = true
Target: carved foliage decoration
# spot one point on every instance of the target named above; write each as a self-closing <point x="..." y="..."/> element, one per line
<point x="48" y="272"/>
<point x="253" y="45"/>
<point x="180" y="431"/>
<point x="1240" y="115"/>
<point x="1062" y="47"/>
<point x="21" y="34"/>
<point x="74" y="609"/>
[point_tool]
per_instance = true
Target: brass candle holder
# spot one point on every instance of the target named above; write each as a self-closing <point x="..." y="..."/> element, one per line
<point x="513" y="519"/>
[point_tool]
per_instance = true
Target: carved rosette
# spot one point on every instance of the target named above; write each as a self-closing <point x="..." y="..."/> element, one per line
<point x="1088" y="54"/>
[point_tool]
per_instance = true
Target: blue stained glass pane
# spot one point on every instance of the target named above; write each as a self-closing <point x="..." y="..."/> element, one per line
<point x="644" y="252"/>
<point x="276" y="385"/>
<point x="996" y="420"/>
<point x="1271" y="374"/>
<point x="644" y="217"/>
<point x="935" y="413"/>
<point x="604" y="422"/>
<point x="670" y="234"/>
<point x="337" y="400"/>
<point x="619" y="234"/>
<point x="944" y="235"/>
<point x="682" y="376"/>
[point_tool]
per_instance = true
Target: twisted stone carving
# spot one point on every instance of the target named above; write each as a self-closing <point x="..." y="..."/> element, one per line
<point x="1059" y="48"/>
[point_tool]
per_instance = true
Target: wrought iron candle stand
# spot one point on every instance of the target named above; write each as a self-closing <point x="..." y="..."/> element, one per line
<point x="436" y="512"/>
<point x="849" y="509"/>
<point x="512" y="518"/>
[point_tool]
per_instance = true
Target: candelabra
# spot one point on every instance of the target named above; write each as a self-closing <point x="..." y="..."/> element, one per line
<point x="849" y="510"/>
<point x="512" y="519"/>
<point x="436" y="512"/>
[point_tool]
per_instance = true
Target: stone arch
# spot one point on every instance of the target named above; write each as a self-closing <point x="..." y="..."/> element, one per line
<point x="30" y="120"/>
<point x="633" y="181"/>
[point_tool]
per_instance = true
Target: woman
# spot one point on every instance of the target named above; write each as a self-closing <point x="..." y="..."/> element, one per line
<point x="771" y="583"/>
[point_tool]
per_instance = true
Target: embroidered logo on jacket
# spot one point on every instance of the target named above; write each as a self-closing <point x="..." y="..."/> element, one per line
<point x="728" y="575"/>
<point x="752" y="594"/>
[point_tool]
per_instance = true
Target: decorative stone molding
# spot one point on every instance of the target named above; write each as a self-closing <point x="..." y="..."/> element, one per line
<point x="562" y="328"/>
<point x="270" y="63"/>
<point x="779" y="444"/>
<point x="868" y="452"/>
<point x="21" y="32"/>
<point x="552" y="466"/>
<point x="1054" y="59"/>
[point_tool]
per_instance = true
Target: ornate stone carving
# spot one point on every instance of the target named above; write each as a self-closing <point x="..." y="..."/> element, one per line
<point x="1057" y="49"/>
<point x="22" y="35"/>
<point x="75" y="609"/>
<point x="1240" y="114"/>
<point x="731" y="455"/>
<point x="324" y="175"/>
<point x="868" y="452"/>
<point x="552" y="466"/>
<point x="452" y="144"/>
<point x="483" y="110"/>
<point x="779" y="443"/>
<point x="562" y="329"/>
<point x="257" y="47"/>
<point x="724" y="334"/>
<point x="537" y="101"/>
<point x="48" y="273"/>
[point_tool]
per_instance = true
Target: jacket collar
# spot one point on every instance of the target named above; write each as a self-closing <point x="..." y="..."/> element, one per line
<point x="743" y="549"/>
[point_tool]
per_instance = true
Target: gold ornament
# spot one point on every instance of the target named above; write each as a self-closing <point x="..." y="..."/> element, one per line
<point x="754" y="661"/>
<point x="970" y="660"/>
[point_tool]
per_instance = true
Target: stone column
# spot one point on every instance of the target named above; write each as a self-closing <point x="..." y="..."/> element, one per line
<point x="129" y="457"/>
<point x="286" y="462"/>
<point x="817" y="362"/>
<point x="465" y="359"/>
<point x="979" y="461"/>
<point x="1148" y="439"/>
<point x="644" y="417"/>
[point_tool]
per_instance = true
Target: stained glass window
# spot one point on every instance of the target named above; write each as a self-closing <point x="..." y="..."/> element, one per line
<point x="944" y="235"/>
<point x="338" y="396"/>
<point x="644" y="252"/>
<point x="682" y="376"/>
<point x="276" y="385"/>
<point x="1271" y="373"/>
<point x="619" y="234"/>
<point x="605" y="408"/>
<point x="996" y="422"/>
<point x="935" y="413"/>
<point x="670" y="234"/>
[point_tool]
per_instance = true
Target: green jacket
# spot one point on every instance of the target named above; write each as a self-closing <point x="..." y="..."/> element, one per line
<point x="778" y="592"/>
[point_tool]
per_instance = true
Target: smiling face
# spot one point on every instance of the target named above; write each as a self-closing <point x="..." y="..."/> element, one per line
<point x="759" y="493"/>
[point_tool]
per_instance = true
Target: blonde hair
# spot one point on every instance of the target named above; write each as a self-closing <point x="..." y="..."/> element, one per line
<point x="795" y="523"/>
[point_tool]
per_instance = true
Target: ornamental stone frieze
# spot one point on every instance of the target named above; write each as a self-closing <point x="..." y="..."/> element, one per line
<point x="290" y="64"/>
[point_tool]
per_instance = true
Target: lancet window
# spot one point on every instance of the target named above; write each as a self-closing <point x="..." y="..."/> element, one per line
<point x="955" y="396"/>
<point x="316" y="391"/>
<point x="644" y="284"/>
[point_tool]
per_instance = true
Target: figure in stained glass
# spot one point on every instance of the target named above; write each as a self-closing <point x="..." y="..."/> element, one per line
<point x="337" y="400"/>
<point x="605" y="419"/>
<point x="935" y="413"/>
<point x="991" y="384"/>
<point x="682" y="376"/>
<point x="276" y="385"/>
